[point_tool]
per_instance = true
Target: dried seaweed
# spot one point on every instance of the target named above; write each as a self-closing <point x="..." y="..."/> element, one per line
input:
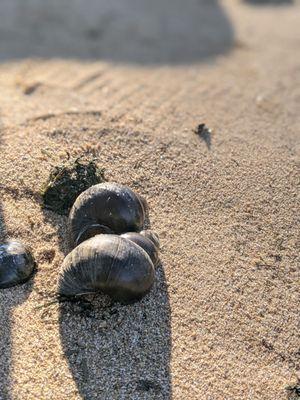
<point x="67" y="181"/>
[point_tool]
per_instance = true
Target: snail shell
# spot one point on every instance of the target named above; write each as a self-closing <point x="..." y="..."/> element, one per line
<point x="110" y="264"/>
<point x="16" y="264"/>
<point x="153" y="236"/>
<point x="147" y="240"/>
<point x="106" y="208"/>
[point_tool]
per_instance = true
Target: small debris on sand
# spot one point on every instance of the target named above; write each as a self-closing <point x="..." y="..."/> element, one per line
<point x="204" y="133"/>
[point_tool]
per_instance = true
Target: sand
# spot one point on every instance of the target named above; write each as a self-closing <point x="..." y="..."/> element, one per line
<point x="222" y="321"/>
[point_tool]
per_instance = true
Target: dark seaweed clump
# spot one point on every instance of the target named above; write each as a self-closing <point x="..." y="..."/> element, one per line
<point x="294" y="391"/>
<point x="67" y="181"/>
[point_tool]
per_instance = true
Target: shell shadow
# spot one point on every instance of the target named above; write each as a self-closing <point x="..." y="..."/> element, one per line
<point x="9" y="299"/>
<point x="118" y="351"/>
<point x="123" y="31"/>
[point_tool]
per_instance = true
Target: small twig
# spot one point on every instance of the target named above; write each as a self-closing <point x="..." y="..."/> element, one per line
<point x="46" y="304"/>
<point x="63" y="299"/>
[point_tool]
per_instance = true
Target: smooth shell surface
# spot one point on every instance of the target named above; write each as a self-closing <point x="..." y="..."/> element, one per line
<point x="16" y="264"/>
<point x="109" y="264"/>
<point x="106" y="208"/>
<point x="143" y="239"/>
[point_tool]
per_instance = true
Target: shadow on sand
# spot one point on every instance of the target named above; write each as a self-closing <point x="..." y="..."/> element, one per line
<point x="9" y="299"/>
<point x="125" y="31"/>
<point x="269" y="2"/>
<point x="120" y="352"/>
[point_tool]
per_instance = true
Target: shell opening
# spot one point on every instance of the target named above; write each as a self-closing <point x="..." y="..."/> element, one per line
<point x="91" y="231"/>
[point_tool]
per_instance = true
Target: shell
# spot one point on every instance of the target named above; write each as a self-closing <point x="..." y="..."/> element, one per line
<point x="147" y="240"/>
<point x="105" y="208"/>
<point x="16" y="264"/>
<point x="153" y="236"/>
<point x="109" y="264"/>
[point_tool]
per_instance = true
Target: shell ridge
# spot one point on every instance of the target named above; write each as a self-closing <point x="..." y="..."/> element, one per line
<point x="114" y="261"/>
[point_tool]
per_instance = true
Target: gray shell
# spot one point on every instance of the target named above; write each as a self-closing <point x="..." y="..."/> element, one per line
<point x="109" y="264"/>
<point x="153" y="236"/>
<point x="16" y="264"/>
<point x="147" y="240"/>
<point x="105" y="208"/>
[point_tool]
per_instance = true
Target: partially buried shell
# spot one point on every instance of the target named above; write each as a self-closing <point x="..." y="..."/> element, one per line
<point x="110" y="264"/>
<point x="16" y="264"/>
<point x="105" y="208"/>
<point x="147" y="240"/>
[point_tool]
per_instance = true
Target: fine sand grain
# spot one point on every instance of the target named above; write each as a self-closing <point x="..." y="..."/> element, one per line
<point x="222" y="321"/>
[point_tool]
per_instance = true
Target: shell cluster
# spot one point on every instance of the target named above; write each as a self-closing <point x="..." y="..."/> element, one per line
<point x="112" y="254"/>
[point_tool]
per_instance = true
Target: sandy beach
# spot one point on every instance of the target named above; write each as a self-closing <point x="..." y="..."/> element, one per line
<point x="128" y="83"/>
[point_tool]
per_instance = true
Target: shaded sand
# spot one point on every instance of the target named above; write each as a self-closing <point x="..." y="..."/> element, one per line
<point x="222" y="321"/>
